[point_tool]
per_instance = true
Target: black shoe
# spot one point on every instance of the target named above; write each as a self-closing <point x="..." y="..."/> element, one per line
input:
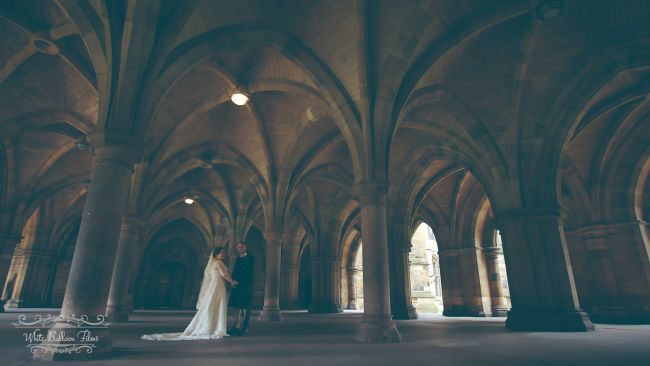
<point x="233" y="332"/>
<point x="243" y="332"/>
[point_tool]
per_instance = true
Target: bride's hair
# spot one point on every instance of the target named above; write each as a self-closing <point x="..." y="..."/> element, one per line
<point x="215" y="251"/>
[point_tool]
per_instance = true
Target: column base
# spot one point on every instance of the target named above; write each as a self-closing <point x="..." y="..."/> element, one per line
<point x="59" y="348"/>
<point x="290" y="307"/>
<point x="377" y="329"/>
<point x="500" y="311"/>
<point x="570" y="321"/>
<point x="405" y="313"/>
<point x="270" y="314"/>
<point x="17" y="304"/>
<point x="326" y="309"/>
<point x="117" y="314"/>
<point x="352" y="306"/>
<point x="618" y="315"/>
<point x="464" y="311"/>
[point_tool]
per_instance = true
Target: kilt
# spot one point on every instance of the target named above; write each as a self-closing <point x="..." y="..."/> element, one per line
<point x="241" y="296"/>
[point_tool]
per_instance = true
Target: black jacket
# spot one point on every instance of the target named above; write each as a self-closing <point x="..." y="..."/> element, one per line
<point x="244" y="270"/>
<point x="241" y="295"/>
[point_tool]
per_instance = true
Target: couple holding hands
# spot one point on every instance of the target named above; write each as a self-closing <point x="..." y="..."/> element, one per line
<point x="211" y="318"/>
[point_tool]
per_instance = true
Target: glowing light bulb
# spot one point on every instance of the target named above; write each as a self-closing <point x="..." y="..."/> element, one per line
<point x="189" y="201"/>
<point x="239" y="98"/>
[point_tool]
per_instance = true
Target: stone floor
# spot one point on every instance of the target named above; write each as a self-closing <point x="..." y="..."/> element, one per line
<point x="305" y="339"/>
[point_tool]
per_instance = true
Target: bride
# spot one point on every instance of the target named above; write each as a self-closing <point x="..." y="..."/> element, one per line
<point x="211" y="318"/>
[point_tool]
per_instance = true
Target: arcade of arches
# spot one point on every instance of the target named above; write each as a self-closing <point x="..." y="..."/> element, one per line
<point x="513" y="133"/>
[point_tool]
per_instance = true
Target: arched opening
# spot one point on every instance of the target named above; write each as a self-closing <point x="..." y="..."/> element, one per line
<point x="488" y="238"/>
<point x="172" y="268"/>
<point x="167" y="283"/>
<point x="424" y="267"/>
<point x="17" y="290"/>
<point x="357" y="276"/>
<point x="496" y="265"/>
<point x="169" y="286"/>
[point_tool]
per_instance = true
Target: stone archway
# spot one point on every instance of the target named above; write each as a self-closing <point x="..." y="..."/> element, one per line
<point x="424" y="267"/>
<point x="168" y="286"/>
<point x="173" y="263"/>
<point x="167" y="280"/>
<point x="357" y="277"/>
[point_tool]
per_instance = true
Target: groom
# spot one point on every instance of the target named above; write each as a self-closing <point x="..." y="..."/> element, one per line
<point x="242" y="294"/>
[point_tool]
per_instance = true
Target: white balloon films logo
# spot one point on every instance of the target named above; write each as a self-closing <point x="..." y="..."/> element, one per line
<point x="61" y="333"/>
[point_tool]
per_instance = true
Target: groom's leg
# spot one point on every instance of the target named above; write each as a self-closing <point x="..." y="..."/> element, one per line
<point x="247" y="317"/>
<point x="236" y="322"/>
<point x="239" y="318"/>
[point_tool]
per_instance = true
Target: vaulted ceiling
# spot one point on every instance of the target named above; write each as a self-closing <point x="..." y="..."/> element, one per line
<point x="450" y="101"/>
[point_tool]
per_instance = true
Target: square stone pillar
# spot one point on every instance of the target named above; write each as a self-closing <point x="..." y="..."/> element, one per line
<point x="8" y="243"/>
<point x="289" y="292"/>
<point x="117" y="308"/>
<point x="401" y="300"/>
<point x="31" y="270"/>
<point x="465" y="284"/>
<point x="613" y="277"/>
<point x="325" y="294"/>
<point x="500" y="305"/>
<point x="542" y="288"/>
<point x="271" y="309"/>
<point x="350" y="272"/>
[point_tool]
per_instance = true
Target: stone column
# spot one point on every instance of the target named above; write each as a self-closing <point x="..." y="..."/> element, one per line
<point x="8" y="243"/>
<point x="289" y="299"/>
<point x="271" y="309"/>
<point x="542" y="289"/>
<point x="499" y="305"/>
<point x="136" y="260"/>
<point x="31" y="270"/>
<point x="352" y="293"/>
<point x="616" y="263"/>
<point x="401" y="300"/>
<point x="325" y="297"/>
<point x="94" y="255"/>
<point x="377" y="324"/>
<point x="117" y="308"/>
<point x="466" y="291"/>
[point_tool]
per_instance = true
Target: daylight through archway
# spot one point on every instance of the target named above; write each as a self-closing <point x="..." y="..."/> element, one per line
<point x="424" y="267"/>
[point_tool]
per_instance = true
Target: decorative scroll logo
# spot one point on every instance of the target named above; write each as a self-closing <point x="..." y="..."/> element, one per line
<point x="44" y="336"/>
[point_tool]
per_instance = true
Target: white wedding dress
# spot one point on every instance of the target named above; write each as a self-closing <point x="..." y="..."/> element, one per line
<point x="210" y="321"/>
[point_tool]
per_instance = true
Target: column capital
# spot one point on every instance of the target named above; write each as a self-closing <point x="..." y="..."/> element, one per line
<point x="457" y="251"/>
<point x="324" y="258"/>
<point x="273" y="237"/>
<point x="492" y="251"/>
<point x="10" y="238"/>
<point x="602" y="230"/>
<point x="132" y="223"/>
<point x="371" y="192"/>
<point x="291" y="268"/>
<point x="537" y="215"/>
<point x="120" y="148"/>
<point x="400" y="245"/>
<point x="9" y="242"/>
<point x="32" y="253"/>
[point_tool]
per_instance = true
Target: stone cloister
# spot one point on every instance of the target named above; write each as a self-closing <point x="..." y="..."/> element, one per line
<point x="518" y="131"/>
